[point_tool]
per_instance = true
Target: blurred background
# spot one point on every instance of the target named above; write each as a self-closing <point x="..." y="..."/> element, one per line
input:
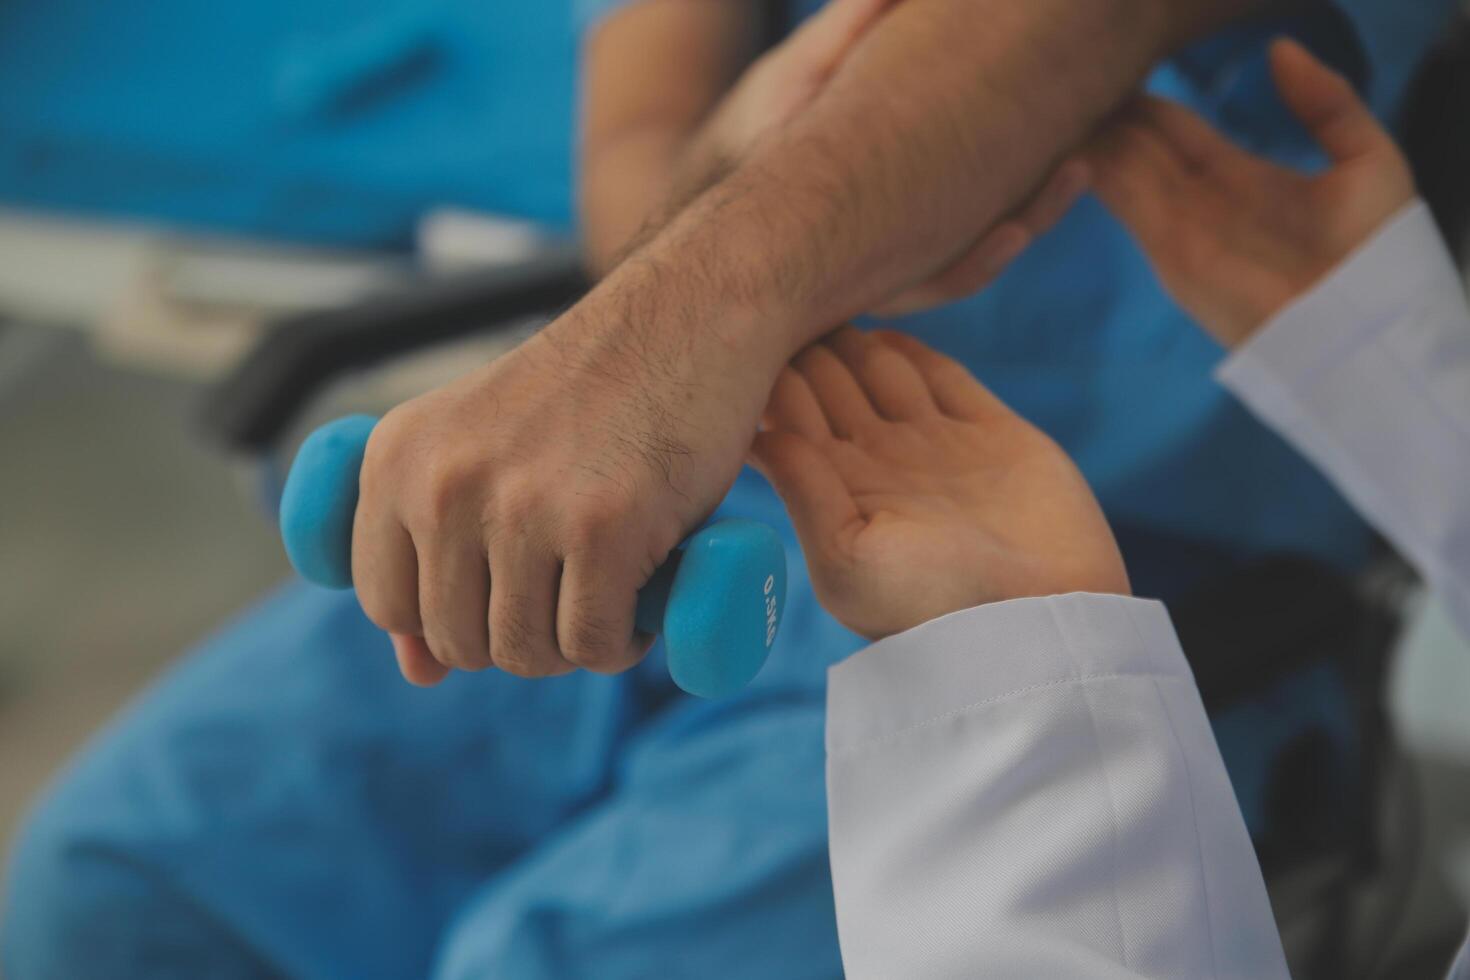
<point x="197" y="201"/>
<point x="178" y="181"/>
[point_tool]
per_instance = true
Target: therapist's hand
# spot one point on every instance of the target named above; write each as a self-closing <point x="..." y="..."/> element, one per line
<point x="915" y="492"/>
<point x="1235" y="238"/>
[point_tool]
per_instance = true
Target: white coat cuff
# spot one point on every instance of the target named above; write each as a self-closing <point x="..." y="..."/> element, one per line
<point x="989" y="653"/>
<point x="1366" y="375"/>
<point x="1399" y="270"/>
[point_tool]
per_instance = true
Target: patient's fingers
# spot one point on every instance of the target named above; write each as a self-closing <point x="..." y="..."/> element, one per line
<point x="793" y="407"/>
<point x="954" y="389"/>
<point x="385" y="569"/>
<point x="1325" y="103"/>
<point x="892" y="384"/>
<point x="843" y="402"/>
<point x="454" y="594"/>
<point x="520" y="620"/>
<point x="594" y="614"/>
<point x="386" y="577"/>
<point x="415" y="662"/>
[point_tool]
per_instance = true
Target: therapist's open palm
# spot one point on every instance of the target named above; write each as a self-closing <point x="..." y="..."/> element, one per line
<point x="915" y="492"/>
<point x="1235" y="238"/>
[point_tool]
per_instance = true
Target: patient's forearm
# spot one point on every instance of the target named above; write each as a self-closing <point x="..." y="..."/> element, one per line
<point x="943" y="118"/>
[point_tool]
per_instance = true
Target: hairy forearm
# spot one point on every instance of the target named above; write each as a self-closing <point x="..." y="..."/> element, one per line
<point x="946" y="116"/>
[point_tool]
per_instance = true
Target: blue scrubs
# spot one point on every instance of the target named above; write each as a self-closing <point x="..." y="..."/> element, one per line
<point x="334" y="122"/>
<point x="281" y="804"/>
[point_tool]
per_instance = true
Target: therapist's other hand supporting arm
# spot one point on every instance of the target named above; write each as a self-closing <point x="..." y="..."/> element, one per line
<point x="1234" y="238"/>
<point x="915" y="492"/>
<point x="1346" y="314"/>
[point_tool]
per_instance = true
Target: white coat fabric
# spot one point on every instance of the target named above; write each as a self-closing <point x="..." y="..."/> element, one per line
<point x="1032" y="789"/>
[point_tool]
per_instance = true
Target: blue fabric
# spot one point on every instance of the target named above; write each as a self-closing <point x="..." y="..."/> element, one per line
<point x="327" y="121"/>
<point x="282" y="805"/>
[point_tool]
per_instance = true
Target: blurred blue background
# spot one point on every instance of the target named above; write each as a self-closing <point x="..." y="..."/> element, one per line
<point x="327" y="122"/>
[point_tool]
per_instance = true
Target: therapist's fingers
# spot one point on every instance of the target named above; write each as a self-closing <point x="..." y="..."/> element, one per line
<point x="793" y="407"/>
<point x="997" y="249"/>
<point x="1196" y="144"/>
<point x="454" y="592"/>
<point x="809" y="484"/>
<point x="1062" y="190"/>
<point x="994" y="253"/>
<point x="1326" y="104"/>
<point x="892" y="384"/>
<point x="956" y="391"/>
<point x="841" y="398"/>
<point x="416" y="662"/>
<point x="524" y="579"/>
<point x="1148" y="147"/>
<point x="1138" y="186"/>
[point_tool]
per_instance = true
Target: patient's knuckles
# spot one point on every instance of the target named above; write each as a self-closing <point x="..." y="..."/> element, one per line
<point x="380" y="456"/>
<point x="510" y="632"/>
<point x="593" y="643"/>
<point x="518" y="654"/>
<point x="447" y="487"/>
<point x="514" y="503"/>
<point x="594" y="521"/>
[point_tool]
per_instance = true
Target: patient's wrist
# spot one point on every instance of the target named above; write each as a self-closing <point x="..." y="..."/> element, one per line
<point x="720" y="285"/>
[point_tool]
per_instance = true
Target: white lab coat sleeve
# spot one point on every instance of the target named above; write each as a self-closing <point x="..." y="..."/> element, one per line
<point x="1368" y="376"/>
<point x="1032" y="789"/>
<point x="1461" y="968"/>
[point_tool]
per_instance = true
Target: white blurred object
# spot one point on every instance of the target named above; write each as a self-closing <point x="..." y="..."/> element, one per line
<point x="270" y="280"/>
<point x="1429" y="684"/>
<point x="193" y="305"/>
<point x="451" y="239"/>
<point x="56" y="271"/>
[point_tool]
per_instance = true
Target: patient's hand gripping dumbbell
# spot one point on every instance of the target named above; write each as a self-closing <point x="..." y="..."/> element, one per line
<point x="717" y="602"/>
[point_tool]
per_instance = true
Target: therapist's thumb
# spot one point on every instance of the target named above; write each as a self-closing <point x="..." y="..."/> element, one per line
<point x="811" y="488"/>
<point x="1326" y="104"/>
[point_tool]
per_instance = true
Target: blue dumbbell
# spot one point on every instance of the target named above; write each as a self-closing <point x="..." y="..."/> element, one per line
<point x="717" y="601"/>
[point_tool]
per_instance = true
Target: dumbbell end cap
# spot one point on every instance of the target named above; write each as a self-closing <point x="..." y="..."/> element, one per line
<point x="725" y="607"/>
<point x="320" y="499"/>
